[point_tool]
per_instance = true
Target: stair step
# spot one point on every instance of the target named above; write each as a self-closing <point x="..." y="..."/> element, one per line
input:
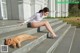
<point x="51" y="20"/>
<point x="25" y="30"/>
<point x="65" y="43"/>
<point x="9" y="28"/>
<point x="48" y="43"/>
<point x="4" y="23"/>
<point x="8" y="22"/>
<point x="75" y="47"/>
<point x="29" y="45"/>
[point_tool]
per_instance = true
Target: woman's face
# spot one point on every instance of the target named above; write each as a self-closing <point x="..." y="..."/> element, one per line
<point x="45" y="13"/>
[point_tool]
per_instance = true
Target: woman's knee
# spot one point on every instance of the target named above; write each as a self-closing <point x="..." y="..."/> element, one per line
<point x="46" y="22"/>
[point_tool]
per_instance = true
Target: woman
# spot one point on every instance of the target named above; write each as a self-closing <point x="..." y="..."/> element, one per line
<point x="35" y="21"/>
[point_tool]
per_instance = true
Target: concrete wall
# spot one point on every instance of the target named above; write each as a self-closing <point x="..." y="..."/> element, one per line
<point x="51" y="6"/>
<point x="29" y="7"/>
<point x="23" y="9"/>
<point x="3" y="10"/>
<point x="12" y="9"/>
<point x="0" y="11"/>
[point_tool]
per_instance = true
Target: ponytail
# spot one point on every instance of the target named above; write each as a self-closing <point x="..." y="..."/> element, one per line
<point x="44" y="10"/>
<point x="40" y="11"/>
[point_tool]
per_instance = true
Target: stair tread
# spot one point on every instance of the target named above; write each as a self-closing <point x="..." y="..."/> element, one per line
<point x="22" y="30"/>
<point x="16" y="27"/>
<point x="65" y="43"/>
<point x="76" y="42"/>
<point x="15" y="22"/>
<point x="13" y="32"/>
<point x="3" y="31"/>
<point x="8" y="22"/>
<point x="26" y="42"/>
<point x="39" y="34"/>
<point x="46" y="44"/>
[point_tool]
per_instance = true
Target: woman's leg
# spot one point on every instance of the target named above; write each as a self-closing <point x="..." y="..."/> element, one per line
<point x="44" y="23"/>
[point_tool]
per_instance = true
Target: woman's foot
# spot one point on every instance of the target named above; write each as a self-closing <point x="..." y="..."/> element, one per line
<point x="54" y="36"/>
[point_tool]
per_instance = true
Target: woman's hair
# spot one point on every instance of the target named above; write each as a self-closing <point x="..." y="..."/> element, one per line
<point x="44" y="10"/>
<point x="40" y="11"/>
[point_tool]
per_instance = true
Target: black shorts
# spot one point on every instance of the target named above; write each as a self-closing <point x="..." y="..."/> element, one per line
<point x="29" y="24"/>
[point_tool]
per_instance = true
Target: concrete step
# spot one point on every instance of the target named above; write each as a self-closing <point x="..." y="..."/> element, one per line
<point x="4" y="23"/>
<point x="75" y="47"/>
<point x="26" y="30"/>
<point x="50" y="20"/>
<point x="30" y="44"/>
<point x="27" y="45"/>
<point x="4" y="29"/>
<point x="49" y="44"/>
<point x="8" y="22"/>
<point x="66" y="42"/>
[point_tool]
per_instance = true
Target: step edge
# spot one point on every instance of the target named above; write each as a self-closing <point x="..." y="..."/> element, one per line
<point x="55" y="31"/>
<point x="24" y="24"/>
<point x="52" y="24"/>
<point x="30" y="44"/>
<point x="62" y="39"/>
<point x="57" y="42"/>
<point x="72" y="40"/>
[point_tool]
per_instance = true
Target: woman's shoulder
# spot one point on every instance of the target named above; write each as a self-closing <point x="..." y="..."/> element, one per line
<point x="38" y="14"/>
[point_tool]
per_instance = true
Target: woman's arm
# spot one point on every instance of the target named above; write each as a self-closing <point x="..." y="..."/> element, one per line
<point x="27" y="20"/>
<point x="24" y="22"/>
